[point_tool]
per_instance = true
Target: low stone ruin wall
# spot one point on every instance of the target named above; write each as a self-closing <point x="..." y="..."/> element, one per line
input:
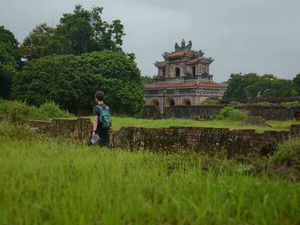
<point x="280" y="113"/>
<point x="206" y="112"/>
<point x="174" y="138"/>
<point x="267" y="99"/>
<point x="72" y="128"/>
<point x="232" y="141"/>
<point x="151" y="112"/>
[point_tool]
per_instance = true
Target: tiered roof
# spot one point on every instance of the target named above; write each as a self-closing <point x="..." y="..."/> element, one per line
<point x="184" y="53"/>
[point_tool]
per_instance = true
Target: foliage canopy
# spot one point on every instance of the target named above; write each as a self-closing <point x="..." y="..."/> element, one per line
<point x="71" y="81"/>
<point x="79" y="32"/>
<point x="9" y="61"/>
<point x="242" y="87"/>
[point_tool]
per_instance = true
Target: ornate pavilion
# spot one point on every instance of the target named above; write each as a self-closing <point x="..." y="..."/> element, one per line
<point x="183" y="79"/>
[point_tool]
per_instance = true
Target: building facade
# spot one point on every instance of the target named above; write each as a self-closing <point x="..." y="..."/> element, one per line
<point x="183" y="79"/>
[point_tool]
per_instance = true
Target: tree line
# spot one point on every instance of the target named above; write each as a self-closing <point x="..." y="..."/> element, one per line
<point x="68" y="63"/>
<point x="243" y="87"/>
<point x="82" y="54"/>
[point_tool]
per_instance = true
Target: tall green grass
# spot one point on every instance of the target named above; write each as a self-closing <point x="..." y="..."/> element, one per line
<point x="14" y="111"/>
<point x="288" y="154"/>
<point x="59" y="182"/>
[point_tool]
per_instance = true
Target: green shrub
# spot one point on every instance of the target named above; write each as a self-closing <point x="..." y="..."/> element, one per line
<point x="264" y="103"/>
<point x="210" y="101"/>
<point x="290" y="104"/>
<point x="13" y="111"/>
<point x="287" y="154"/>
<point x="53" y="110"/>
<point x="234" y="103"/>
<point x="230" y="113"/>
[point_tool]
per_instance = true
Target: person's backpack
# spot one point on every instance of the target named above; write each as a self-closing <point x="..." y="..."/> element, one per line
<point x="104" y="122"/>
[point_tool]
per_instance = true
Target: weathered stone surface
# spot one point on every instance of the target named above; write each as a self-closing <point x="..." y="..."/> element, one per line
<point x="151" y="112"/>
<point x="274" y="112"/>
<point x="72" y="128"/>
<point x="202" y="139"/>
<point x="176" y="138"/>
<point x="205" y="112"/>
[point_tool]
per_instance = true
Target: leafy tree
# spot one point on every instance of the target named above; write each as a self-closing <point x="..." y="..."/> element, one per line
<point x="238" y="86"/>
<point x="81" y="31"/>
<point x="296" y="84"/>
<point x="71" y="81"/>
<point x="7" y="73"/>
<point x="111" y="65"/>
<point x="242" y="87"/>
<point x="9" y="61"/>
<point x="38" y="42"/>
<point x="75" y="31"/>
<point x="9" y="52"/>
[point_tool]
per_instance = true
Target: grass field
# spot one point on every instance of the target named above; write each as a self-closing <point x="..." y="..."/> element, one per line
<point x="58" y="182"/>
<point x="119" y="122"/>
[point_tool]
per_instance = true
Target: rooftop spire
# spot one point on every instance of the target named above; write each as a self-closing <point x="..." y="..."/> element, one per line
<point x="183" y="46"/>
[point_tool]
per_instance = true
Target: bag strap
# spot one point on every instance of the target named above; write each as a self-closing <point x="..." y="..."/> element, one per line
<point x="99" y="107"/>
<point x="102" y="107"/>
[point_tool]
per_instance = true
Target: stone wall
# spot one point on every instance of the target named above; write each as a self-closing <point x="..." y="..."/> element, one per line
<point x="205" y="112"/>
<point x="280" y="113"/>
<point x="78" y="129"/>
<point x="151" y="112"/>
<point x="203" y="139"/>
<point x="268" y="99"/>
<point x="174" y="138"/>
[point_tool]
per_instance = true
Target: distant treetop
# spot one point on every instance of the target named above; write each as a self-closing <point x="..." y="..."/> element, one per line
<point x="79" y="32"/>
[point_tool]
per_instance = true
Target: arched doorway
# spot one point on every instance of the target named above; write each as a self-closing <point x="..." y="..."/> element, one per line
<point x="170" y="102"/>
<point x="177" y="72"/>
<point x="155" y="103"/>
<point x="194" y="70"/>
<point x="163" y="72"/>
<point x="186" y="102"/>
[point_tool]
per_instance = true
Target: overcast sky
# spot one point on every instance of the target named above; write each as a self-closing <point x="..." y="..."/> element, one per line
<point x="260" y="36"/>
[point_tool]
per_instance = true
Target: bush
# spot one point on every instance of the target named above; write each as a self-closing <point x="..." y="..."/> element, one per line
<point x="287" y="154"/>
<point x="230" y="113"/>
<point x="13" y="111"/>
<point x="210" y="101"/>
<point x="53" y="110"/>
<point x="234" y="103"/>
<point x="265" y="103"/>
<point x="290" y="104"/>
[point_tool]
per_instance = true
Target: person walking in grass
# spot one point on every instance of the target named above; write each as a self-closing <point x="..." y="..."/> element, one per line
<point x="101" y="120"/>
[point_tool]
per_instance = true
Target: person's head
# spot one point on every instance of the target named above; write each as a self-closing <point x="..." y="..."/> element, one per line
<point x="99" y="96"/>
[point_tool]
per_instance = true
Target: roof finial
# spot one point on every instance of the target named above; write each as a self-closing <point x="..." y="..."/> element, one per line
<point x="183" y="46"/>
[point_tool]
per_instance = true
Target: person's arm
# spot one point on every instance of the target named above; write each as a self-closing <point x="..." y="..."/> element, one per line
<point x="95" y="124"/>
<point x="95" y="120"/>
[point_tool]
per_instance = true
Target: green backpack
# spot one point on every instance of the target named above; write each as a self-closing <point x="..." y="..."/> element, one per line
<point x="104" y="118"/>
